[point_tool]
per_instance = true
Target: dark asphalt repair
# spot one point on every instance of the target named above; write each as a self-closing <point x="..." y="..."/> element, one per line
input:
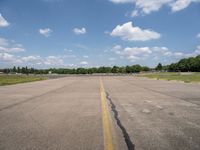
<point x="126" y="136"/>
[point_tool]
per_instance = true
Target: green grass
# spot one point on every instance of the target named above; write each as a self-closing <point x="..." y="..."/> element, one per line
<point x="186" y="77"/>
<point x="15" y="79"/>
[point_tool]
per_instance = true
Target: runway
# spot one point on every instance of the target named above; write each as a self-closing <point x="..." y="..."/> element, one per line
<point x="100" y="112"/>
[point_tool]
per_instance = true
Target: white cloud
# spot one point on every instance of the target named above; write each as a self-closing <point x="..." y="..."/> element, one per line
<point x="178" y="54"/>
<point x="128" y="32"/>
<point x="198" y="35"/>
<point x="46" y="32"/>
<point x="6" y="57"/>
<point x="85" y="56"/>
<point x="18" y="45"/>
<point x="83" y="63"/>
<point x="134" y="13"/>
<point x="12" y="50"/>
<point x="68" y="50"/>
<point x="133" y="53"/>
<point x="116" y="47"/>
<point x="164" y="51"/>
<point x="31" y="58"/>
<point x="53" y="60"/>
<point x="3" y="42"/>
<point x="197" y="51"/>
<point x="148" y="6"/>
<point x="79" y="31"/>
<point x="112" y="59"/>
<point x="181" y="4"/>
<point x="143" y="7"/>
<point x="69" y="56"/>
<point x="72" y="65"/>
<point x="144" y="53"/>
<point x="48" y="60"/>
<point x="10" y="46"/>
<point x="3" y="21"/>
<point x="52" y="0"/>
<point x="121" y="1"/>
<point x="81" y="46"/>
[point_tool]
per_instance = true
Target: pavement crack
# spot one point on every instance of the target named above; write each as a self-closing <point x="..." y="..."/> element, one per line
<point x="126" y="136"/>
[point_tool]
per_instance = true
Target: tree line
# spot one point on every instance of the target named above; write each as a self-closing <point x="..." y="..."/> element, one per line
<point x="191" y="64"/>
<point x="114" y="69"/>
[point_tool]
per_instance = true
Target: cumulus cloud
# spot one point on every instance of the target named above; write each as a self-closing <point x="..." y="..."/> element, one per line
<point x="128" y="32"/>
<point x="6" y="57"/>
<point x="7" y="46"/>
<point x="197" y="51"/>
<point x="83" y="63"/>
<point x="79" y="31"/>
<point x="148" y="6"/>
<point x="12" y="50"/>
<point x="132" y="53"/>
<point x="31" y="58"/>
<point x="45" y="61"/>
<point x="46" y="32"/>
<point x="112" y="59"/>
<point x="121" y="1"/>
<point x="198" y="35"/>
<point x="134" y="13"/>
<point x="143" y="7"/>
<point x="181" y="4"/>
<point x="141" y="53"/>
<point x="53" y="60"/>
<point x="3" y="21"/>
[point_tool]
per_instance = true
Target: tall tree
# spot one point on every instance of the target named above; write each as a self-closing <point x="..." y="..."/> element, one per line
<point x="159" y="67"/>
<point x="14" y="69"/>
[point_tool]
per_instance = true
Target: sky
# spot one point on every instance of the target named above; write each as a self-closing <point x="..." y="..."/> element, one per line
<point x="93" y="33"/>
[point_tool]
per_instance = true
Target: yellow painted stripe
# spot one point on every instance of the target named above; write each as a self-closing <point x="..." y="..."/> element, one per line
<point x="108" y="144"/>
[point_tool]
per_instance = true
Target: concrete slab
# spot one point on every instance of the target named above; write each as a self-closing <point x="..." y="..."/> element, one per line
<point x="66" y="113"/>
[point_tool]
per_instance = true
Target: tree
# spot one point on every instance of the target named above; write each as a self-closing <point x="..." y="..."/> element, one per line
<point x="26" y="70"/>
<point x="6" y="70"/>
<point x="18" y="70"/>
<point x="32" y="70"/>
<point x="136" y="68"/>
<point x="185" y="64"/>
<point x="114" y="69"/>
<point x="14" y="69"/>
<point x="128" y="69"/>
<point x="23" y="70"/>
<point x="122" y="70"/>
<point x="159" y="67"/>
<point x="145" y="68"/>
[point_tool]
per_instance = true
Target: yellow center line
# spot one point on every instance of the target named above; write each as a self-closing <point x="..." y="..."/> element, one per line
<point x="108" y="143"/>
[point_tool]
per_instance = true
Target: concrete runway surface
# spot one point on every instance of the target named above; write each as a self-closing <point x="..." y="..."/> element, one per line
<point x="96" y="113"/>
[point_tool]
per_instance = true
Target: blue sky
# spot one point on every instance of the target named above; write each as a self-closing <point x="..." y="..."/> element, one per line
<point x="91" y="33"/>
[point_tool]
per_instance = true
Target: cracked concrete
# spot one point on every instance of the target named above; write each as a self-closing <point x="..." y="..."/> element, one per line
<point x="66" y="113"/>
